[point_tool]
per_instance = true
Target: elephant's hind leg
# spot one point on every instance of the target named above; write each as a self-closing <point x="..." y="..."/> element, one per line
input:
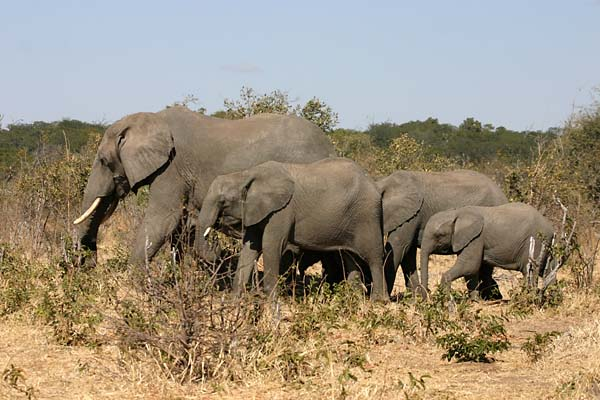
<point x="370" y="249"/>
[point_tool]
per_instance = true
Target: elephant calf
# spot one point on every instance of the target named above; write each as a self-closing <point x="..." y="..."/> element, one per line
<point x="483" y="238"/>
<point x="328" y="205"/>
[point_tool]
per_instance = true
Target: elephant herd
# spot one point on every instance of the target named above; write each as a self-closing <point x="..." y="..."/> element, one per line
<point x="274" y="181"/>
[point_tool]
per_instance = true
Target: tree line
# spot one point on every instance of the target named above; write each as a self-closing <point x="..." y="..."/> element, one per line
<point x="470" y="142"/>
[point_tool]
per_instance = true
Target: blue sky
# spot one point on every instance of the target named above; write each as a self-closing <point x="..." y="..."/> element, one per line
<point x="519" y="64"/>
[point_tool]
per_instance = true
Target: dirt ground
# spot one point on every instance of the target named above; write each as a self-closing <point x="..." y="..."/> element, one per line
<point x="570" y="369"/>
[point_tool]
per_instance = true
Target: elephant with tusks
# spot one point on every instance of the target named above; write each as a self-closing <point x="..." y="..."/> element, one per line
<point x="178" y="153"/>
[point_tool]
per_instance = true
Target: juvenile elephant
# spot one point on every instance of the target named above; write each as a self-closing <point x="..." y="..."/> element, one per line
<point x="483" y="238"/>
<point x="178" y="153"/>
<point x="324" y="206"/>
<point x="410" y="198"/>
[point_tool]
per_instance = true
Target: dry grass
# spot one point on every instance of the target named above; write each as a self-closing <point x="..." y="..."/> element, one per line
<point x="387" y="360"/>
<point x="347" y="359"/>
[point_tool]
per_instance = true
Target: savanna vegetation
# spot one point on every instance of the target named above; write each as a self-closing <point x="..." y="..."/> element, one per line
<point x="167" y="331"/>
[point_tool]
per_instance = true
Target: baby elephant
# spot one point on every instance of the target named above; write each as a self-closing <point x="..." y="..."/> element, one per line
<point x="483" y="238"/>
<point x="328" y="205"/>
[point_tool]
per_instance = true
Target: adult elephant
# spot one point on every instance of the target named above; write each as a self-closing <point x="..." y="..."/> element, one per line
<point x="178" y="153"/>
<point x="410" y="198"/>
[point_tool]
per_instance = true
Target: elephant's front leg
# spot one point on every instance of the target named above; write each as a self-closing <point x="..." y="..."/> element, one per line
<point x="250" y="250"/>
<point x="162" y="217"/>
<point x="401" y="250"/>
<point x="275" y="239"/>
<point x="468" y="263"/>
<point x="160" y="221"/>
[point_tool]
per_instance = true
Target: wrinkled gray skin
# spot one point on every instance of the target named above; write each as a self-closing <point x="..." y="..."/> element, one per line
<point x="483" y="238"/>
<point x="178" y="153"/>
<point x="410" y="198"/>
<point x="324" y="206"/>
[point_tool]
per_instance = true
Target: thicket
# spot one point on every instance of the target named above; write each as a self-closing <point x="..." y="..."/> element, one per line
<point x="174" y="314"/>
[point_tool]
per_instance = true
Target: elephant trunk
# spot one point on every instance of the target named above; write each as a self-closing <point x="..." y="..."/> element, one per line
<point x="99" y="202"/>
<point x="208" y="215"/>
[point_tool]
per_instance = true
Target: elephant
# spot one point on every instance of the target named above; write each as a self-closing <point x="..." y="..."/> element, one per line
<point x="486" y="237"/>
<point x="178" y="153"/>
<point x="324" y="206"/>
<point x="410" y="198"/>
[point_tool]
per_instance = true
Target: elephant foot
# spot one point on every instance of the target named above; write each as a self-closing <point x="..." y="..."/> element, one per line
<point x="491" y="294"/>
<point x="380" y="297"/>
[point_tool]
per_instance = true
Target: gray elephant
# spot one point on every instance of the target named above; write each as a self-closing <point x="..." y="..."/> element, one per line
<point x="323" y="206"/>
<point x="410" y="198"/>
<point x="485" y="237"/>
<point x="178" y="153"/>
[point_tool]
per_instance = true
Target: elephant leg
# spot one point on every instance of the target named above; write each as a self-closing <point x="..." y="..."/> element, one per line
<point x="409" y="269"/>
<point x="272" y="258"/>
<point x="158" y="225"/>
<point x="287" y="269"/>
<point x="247" y="260"/>
<point x="473" y="286"/>
<point x="468" y="262"/>
<point x="162" y="217"/>
<point x="488" y="287"/>
<point x="379" y="289"/>
<point x="275" y="240"/>
<point x="333" y="265"/>
<point x="401" y="251"/>
<point x="372" y="253"/>
<point x="352" y="269"/>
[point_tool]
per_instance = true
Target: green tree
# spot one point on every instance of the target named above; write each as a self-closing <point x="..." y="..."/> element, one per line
<point x="471" y="125"/>
<point x="320" y="114"/>
<point x="251" y="103"/>
<point x="278" y="102"/>
<point x="581" y="141"/>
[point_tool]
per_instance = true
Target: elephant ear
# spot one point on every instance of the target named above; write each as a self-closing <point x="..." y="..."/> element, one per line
<point x="269" y="188"/>
<point x="402" y="200"/>
<point x="466" y="228"/>
<point x="145" y="145"/>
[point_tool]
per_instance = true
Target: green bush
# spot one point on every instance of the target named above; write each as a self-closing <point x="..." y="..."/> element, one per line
<point x="486" y="336"/>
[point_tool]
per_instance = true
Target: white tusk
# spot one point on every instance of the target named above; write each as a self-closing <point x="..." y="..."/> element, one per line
<point x="88" y="212"/>
<point x="207" y="231"/>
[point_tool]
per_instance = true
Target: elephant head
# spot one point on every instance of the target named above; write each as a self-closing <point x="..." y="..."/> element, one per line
<point x="246" y="198"/>
<point x="131" y="151"/>
<point x="448" y="232"/>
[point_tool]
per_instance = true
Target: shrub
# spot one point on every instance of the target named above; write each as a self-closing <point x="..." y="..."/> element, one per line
<point x="486" y="336"/>
<point x="71" y="300"/>
<point x="537" y="345"/>
<point x="16" y="281"/>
